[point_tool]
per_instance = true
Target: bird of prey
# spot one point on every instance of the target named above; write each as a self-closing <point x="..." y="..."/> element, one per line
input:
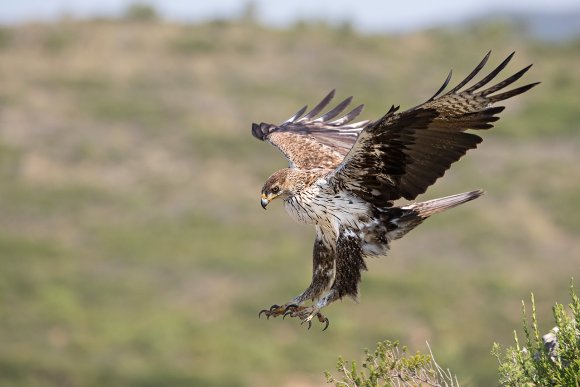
<point x="344" y="177"/>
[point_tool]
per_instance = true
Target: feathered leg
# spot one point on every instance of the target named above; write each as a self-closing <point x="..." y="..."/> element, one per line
<point x="323" y="271"/>
<point x="349" y="264"/>
<point x="323" y="274"/>
<point x="337" y="271"/>
<point x="350" y="245"/>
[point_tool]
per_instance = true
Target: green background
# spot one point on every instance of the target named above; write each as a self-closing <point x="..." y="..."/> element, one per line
<point x="133" y="249"/>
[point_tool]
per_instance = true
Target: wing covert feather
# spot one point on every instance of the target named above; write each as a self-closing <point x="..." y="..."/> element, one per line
<point x="309" y="142"/>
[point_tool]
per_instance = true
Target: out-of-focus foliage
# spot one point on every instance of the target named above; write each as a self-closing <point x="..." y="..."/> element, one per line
<point x="549" y="360"/>
<point x="141" y="12"/>
<point x="390" y="366"/>
<point x="133" y="249"/>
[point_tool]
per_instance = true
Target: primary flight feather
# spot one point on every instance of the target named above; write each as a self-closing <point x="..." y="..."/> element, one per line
<point x="344" y="176"/>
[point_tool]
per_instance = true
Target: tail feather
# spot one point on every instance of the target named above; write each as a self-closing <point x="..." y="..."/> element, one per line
<point x="430" y="207"/>
<point x="398" y="221"/>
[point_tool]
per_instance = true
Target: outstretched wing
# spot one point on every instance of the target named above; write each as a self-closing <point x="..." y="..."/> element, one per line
<point x="402" y="154"/>
<point x="309" y="142"/>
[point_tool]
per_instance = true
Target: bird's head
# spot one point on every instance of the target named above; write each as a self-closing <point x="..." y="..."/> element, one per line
<point x="279" y="185"/>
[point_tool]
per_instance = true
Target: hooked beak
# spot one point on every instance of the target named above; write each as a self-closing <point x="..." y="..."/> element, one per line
<point x="264" y="201"/>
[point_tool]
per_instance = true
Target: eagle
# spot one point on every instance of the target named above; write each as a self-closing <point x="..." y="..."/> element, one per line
<point x="344" y="177"/>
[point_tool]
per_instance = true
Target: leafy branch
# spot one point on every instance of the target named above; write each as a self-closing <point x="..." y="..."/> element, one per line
<point x="390" y="365"/>
<point x="549" y="360"/>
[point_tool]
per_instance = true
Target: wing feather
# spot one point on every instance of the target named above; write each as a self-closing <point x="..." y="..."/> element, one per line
<point x="348" y="117"/>
<point x="402" y="154"/>
<point x="491" y="75"/>
<point x="297" y="115"/>
<point x="471" y="75"/>
<point x="334" y="112"/>
<point x="318" y="108"/>
<point x="309" y="142"/>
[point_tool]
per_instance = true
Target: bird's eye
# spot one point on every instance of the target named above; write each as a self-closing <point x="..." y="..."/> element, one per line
<point x="275" y="189"/>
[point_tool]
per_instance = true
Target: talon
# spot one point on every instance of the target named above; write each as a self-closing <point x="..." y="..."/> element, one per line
<point x="290" y="308"/>
<point x="323" y="319"/>
<point x="306" y="314"/>
<point x="327" y="323"/>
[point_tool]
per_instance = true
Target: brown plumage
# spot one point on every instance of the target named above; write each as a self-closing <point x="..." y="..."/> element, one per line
<point x="344" y="177"/>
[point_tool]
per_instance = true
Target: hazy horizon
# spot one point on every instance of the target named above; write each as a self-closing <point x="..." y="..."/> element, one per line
<point x="365" y="15"/>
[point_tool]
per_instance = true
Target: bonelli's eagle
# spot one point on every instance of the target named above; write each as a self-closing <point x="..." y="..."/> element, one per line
<point x="344" y="176"/>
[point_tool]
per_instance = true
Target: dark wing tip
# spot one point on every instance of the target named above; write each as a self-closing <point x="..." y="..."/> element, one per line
<point x="256" y="132"/>
<point x="349" y="116"/>
<point x="336" y="111"/>
<point x="443" y="86"/>
<point x="321" y="105"/>
<point x="262" y="130"/>
<point x="471" y="75"/>
<point x="492" y="74"/>
<point x="512" y="93"/>
<point x="297" y="115"/>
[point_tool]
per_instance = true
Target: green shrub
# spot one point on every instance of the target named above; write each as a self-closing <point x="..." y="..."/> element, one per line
<point x="549" y="360"/>
<point x="391" y="366"/>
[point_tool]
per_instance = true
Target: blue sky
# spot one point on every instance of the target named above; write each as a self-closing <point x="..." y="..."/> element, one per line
<point x="369" y="15"/>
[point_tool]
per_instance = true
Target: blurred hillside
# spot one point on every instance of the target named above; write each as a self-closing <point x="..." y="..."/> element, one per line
<point x="133" y="249"/>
